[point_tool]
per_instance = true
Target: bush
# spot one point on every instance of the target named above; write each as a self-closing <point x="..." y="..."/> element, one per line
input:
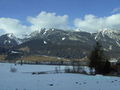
<point x="67" y="70"/>
<point x="13" y="69"/>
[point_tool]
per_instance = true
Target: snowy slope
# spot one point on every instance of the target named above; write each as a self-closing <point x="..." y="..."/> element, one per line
<point x="9" y="40"/>
<point x="110" y="40"/>
<point x="27" y="81"/>
<point x="113" y="34"/>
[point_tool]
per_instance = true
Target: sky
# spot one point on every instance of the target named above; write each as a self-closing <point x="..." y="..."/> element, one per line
<point x="25" y="16"/>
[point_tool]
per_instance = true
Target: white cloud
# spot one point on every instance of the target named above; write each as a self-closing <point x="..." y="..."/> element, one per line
<point x="48" y="20"/>
<point x="92" y="23"/>
<point x="115" y="10"/>
<point x="89" y="23"/>
<point x="9" y="25"/>
<point x="43" y="20"/>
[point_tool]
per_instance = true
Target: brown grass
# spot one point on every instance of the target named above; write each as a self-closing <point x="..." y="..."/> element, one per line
<point x="25" y="49"/>
<point x="42" y="58"/>
<point x="2" y="57"/>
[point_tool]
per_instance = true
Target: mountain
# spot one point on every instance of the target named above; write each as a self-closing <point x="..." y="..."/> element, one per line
<point x="72" y="44"/>
<point x="55" y="35"/>
<point x="113" y="34"/>
<point x="110" y="39"/>
<point x="64" y="43"/>
<point x="9" y="40"/>
<point x="61" y="43"/>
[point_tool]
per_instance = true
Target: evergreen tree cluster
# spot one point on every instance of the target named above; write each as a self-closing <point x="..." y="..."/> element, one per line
<point x="98" y="61"/>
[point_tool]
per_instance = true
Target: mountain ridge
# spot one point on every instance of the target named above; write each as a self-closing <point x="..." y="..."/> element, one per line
<point x="70" y="44"/>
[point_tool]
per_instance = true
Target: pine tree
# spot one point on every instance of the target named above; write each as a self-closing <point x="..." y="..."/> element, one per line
<point x="98" y="59"/>
<point x="107" y="67"/>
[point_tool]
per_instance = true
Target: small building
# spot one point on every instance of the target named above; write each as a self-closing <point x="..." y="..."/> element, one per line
<point x="113" y="61"/>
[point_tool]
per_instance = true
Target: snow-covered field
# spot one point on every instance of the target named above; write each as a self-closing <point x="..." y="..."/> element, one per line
<point x="26" y="81"/>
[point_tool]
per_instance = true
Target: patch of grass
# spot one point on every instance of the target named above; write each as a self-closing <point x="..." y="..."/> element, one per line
<point x="2" y="57"/>
<point x="42" y="58"/>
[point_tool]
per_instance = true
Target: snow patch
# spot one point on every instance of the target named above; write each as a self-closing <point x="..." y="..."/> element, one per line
<point x="5" y="41"/>
<point x="9" y="41"/>
<point x="53" y="29"/>
<point x="118" y="43"/>
<point x="45" y="31"/>
<point x="45" y="42"/>
<point x="113" y="60"/>
<point x="105" y="49"/>
<point x="63" y="38"/>
<point x="77" y="30"/>
<point x="96" y="37"/>
<point x="110" y="47"/>
<point x="14" y="52"/>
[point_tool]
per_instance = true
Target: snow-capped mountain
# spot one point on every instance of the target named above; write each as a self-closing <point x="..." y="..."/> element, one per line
<point x="62" y="43"/>
<point x="113" y="34"/>
<point x="109" y="38"/>
<point x="65" y="43"/>
<point x="57" y="35"/>
<point x="9" y="40"/>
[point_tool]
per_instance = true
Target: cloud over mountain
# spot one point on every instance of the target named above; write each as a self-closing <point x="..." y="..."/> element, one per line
<point x="9" y="25"/>
<point x="48" y="20"/>
<point x="42" y="20"/>
<point x="92" y="23"/>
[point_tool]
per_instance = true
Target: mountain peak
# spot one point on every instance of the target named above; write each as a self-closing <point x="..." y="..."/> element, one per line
<point x="10" y="35"/>
<point x="108" y="31"/>
<point x="9" y="39"/>
<point x="78" y="30"/>
<point x="111" y="33"/>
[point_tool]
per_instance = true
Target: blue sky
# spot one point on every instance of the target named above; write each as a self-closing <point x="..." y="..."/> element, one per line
<point x="74" y="8"/>
<point x="22" y="9"/>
